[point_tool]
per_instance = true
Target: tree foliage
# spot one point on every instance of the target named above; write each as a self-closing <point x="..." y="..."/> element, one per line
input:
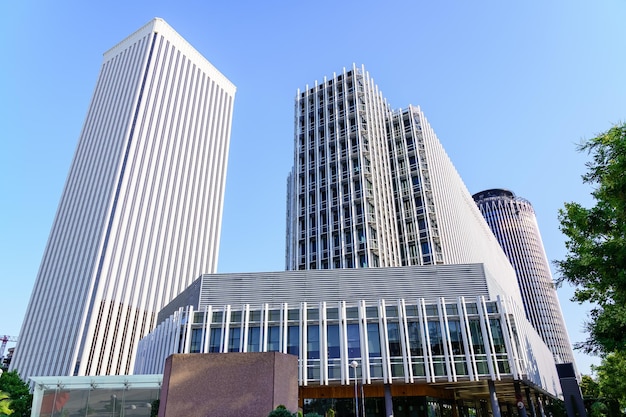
<point x="612" y="377"/>
<point x="596" y="243"/>
<point x="280" y="411"/>
<point x="5" y="402"/>
<point x="19" y="393"/>
<point x="589" y="387"/>
<point x="154" y="408"/>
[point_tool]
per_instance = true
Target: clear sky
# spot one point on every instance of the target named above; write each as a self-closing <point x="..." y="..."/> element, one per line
<point x="509" y="87"/>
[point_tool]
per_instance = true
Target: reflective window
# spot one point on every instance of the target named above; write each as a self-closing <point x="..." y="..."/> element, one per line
<point x="235" y="317"/>
<point x="293" y="340"/>
<point x="456" y="337"/>
<point x="415" y="342"/>
<point x="196" y="340"/>
<point x="354" y="341"/>
<point x="333" y="341"/>
<point x="234" y="336"/>
<point x="313" y="342"/>
<point x="373" y="340"/>
<point x="496" y="334"/>
<point x="254" y="339"/>
<point x="293" y="314"/>
<point x="436" y="341"/>
<point x="352" y="313"/>
<point x="371" y="312"/>
<point x="393" y="334"/>
<point x="478" y="343"/>
<point x="214" y="340"/>
<point x="135" y="402"/>
<point x="273" y="339"/>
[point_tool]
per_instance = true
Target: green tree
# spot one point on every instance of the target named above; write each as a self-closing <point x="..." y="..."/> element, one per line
<point x="154" y="408"/>
<point x="280" y="411"/>
<point x="589" y="387"/>
<point x="5" y="402"/>
<point x="612" y="378"/>
<point x="19" y="393"/>
<point x="590" y="390"/>
<point x="596" y="243"/>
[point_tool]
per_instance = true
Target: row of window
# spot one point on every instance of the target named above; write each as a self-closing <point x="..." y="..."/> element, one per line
<point x="395" y="341"/>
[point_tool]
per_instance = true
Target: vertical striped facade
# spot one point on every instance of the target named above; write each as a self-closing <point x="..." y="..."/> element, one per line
<point x="403" y="342"/>
<point x="373" y="187"/>
<point x="400" y="324"/>
<point x="514" y="224"/>
<point x="140" y="215"/>
<point x="340" y="187"/>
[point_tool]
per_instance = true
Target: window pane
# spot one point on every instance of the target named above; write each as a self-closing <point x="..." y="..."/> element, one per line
<point x="233" y="339"/>
<point x="273" y="339"/>
<point x="313" y="342"/>
<point x="436" y="342"/>
<point x="415" y="343"/>
<point x="196" y="340"/>
<point x="373" y="340"/>
<point x="214" y="341"/>
<point x="456" y="337"/>
<point x="393" y="333"/>
<point x="254" y="339"/>
<point x="478" y="343"/>
<point x="333" y="341"/>
<point x="498" y="338"/>
<point x="354" y="341"/>
<point x="293" y="340"/>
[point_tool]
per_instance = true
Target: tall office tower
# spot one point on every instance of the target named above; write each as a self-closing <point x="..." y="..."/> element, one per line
<point x="140" y="215"/>
<point x="512" y="220"/>
<point x="373" y="187"/>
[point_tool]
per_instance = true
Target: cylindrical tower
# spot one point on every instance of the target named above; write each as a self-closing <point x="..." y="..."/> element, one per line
<point x="513" y="222"/>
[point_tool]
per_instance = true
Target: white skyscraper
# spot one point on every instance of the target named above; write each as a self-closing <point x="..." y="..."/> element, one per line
<point x="373" y="187"/>
<point x="140" y="215"/>
<point x="514" y="224"/>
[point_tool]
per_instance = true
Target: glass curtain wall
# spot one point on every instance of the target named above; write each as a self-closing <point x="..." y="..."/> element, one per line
<point x="403" y="340"/>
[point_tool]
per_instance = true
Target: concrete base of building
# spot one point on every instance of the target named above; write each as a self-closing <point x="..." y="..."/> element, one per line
<point x="228" y="384"/>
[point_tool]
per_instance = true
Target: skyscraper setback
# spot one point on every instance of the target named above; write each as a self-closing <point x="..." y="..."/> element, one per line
<point x="373" y="187"/>
<point x="140" y="215"/>
<point x="513" y="222"/>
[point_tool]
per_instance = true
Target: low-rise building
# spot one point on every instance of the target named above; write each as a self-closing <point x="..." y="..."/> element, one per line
<point x="430" y="338"/>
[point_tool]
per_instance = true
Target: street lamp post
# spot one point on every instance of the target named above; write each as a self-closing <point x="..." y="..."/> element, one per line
<point x="354" y="365"/>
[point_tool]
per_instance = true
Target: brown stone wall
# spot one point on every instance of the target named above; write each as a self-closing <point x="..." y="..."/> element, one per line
<point x="228" y="384"/>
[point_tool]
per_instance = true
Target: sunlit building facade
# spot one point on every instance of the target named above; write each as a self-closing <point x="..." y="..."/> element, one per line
<point x="394" y="282"/>
<point x="373" y="187"/>
<point x="513" y="222"/>
<point x="140" y="215"/>
<point x="413" y="339"/>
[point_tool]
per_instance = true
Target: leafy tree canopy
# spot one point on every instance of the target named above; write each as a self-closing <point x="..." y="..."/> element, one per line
<point x="19" y="393"/>
<point x="589" y="387"/>
<point x="280" y="411"/>
<point x="596" y="243"/>
<point x="612" y="377"/>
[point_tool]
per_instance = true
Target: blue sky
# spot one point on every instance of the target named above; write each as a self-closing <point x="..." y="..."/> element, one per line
<point x="509" y="87"/>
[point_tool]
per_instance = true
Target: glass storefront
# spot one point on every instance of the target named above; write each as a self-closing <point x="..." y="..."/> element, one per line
<point x="375" y="407"/>
<point x="114" y="396"/>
